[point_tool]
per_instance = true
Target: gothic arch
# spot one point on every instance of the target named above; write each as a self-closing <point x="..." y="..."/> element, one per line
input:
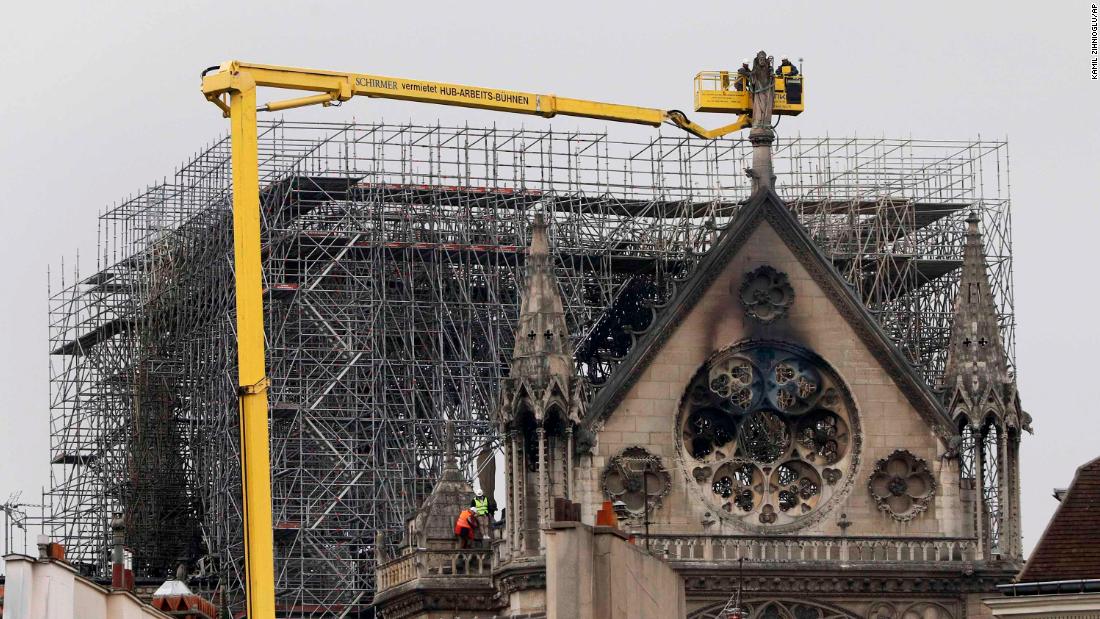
<point x="925" y="610"/>
<point x="992" y="458"/>
<point x="555" y="418"/>
<point x="961" y="417"/>
<point x="991" y="418"/>
<point x="781" y="609"/>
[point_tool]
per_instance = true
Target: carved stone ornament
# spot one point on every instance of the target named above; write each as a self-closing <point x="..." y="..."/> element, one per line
<point x="584" y="441"/>
<point x="636" y="477"/>
<point x="766" y="294"/>
<point x="902" y="485"/>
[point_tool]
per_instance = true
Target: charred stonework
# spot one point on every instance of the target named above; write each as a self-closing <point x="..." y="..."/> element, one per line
<point x="767" y="434"/>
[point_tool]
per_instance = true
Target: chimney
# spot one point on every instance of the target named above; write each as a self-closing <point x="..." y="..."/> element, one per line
<point x="122" y="573"/>
<point x="50" y="550"/>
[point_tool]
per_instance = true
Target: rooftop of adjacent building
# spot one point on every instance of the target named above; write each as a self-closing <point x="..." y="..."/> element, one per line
<point x="34" y="587"/>
<point x="1069" y="549"/>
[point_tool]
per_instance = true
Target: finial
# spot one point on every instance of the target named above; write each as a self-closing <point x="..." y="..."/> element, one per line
<point x="976" y="360"/>
<point x="540" y="246"/>
<point x="449" y="453"/>
<point x="451" y="472"/>
<point x="972" y="221"/>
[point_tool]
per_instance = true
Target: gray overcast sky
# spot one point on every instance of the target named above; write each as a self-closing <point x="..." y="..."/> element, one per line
<point x="100" y="99"/>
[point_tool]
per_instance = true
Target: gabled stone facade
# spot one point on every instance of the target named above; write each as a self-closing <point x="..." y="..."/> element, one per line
<point x="762" y="434"/>
<point x="763" y="416"/>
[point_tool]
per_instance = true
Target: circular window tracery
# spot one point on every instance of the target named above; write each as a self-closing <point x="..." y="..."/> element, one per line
<point x="768" y="432"/>
<point x="636" y="477"/>
<point x="764" y="437"/>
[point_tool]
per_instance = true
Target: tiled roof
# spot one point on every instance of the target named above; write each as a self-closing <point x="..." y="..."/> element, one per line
<point x="1070" y="547"/>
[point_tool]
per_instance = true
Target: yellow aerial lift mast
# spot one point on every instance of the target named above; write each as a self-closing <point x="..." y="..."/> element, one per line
<point x="232" y="87"/>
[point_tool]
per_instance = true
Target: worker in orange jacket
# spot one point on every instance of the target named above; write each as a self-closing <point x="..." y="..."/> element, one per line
<point x="466" y="526"/>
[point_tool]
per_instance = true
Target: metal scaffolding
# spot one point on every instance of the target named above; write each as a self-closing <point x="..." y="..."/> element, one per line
<point x="392" y="255"/>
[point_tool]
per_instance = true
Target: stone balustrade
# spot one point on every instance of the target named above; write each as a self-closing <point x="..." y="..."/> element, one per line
<point x="423" y="563"/>
<point x="760" y="549"/>
<point x="478" y="562"/>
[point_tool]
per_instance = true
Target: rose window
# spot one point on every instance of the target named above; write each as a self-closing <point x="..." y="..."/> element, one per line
<point x="768" y="434"/>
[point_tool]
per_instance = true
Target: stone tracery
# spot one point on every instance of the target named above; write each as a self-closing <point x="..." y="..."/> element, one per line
<point x="638" y="479"/>
<point x="784" y="609"/>
<point x="765" y="294"/>
<point x="902" y="485"/>
<point x="767" y="434"/>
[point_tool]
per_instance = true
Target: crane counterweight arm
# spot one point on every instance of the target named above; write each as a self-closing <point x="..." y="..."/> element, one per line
<point x="334" y="86"/>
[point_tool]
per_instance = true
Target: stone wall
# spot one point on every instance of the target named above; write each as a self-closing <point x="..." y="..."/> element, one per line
<point x="51" y="589"/>
<point x="595" y="573"/>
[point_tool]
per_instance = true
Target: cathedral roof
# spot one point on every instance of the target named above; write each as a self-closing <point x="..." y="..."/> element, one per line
<point x="763" y="206"/>
<point x="1070" y="546"/>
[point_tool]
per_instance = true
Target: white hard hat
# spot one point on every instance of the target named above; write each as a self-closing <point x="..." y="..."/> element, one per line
<point x="784" y="57"/>
<point x="744" y="61"/>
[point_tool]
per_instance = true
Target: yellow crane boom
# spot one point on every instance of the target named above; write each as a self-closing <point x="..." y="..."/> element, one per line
<point x="232" y="87"/>
<point x="334" y="86"/>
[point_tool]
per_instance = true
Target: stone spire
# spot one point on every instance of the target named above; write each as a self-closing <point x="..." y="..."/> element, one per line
<point x="981" y="397"/>
<point x="977" y="367"/>
<point x="543" y="371"/>
<point x="451" y="472"/>
<point x="432" y="525"/>
<point x="541" y="405"/>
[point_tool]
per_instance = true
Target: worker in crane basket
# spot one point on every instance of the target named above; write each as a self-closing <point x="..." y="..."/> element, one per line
<point x="743" y="74"/>
<point x="466" y="526"/>
<point x="789" y="73"/>
<point x="786" y="69"/>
